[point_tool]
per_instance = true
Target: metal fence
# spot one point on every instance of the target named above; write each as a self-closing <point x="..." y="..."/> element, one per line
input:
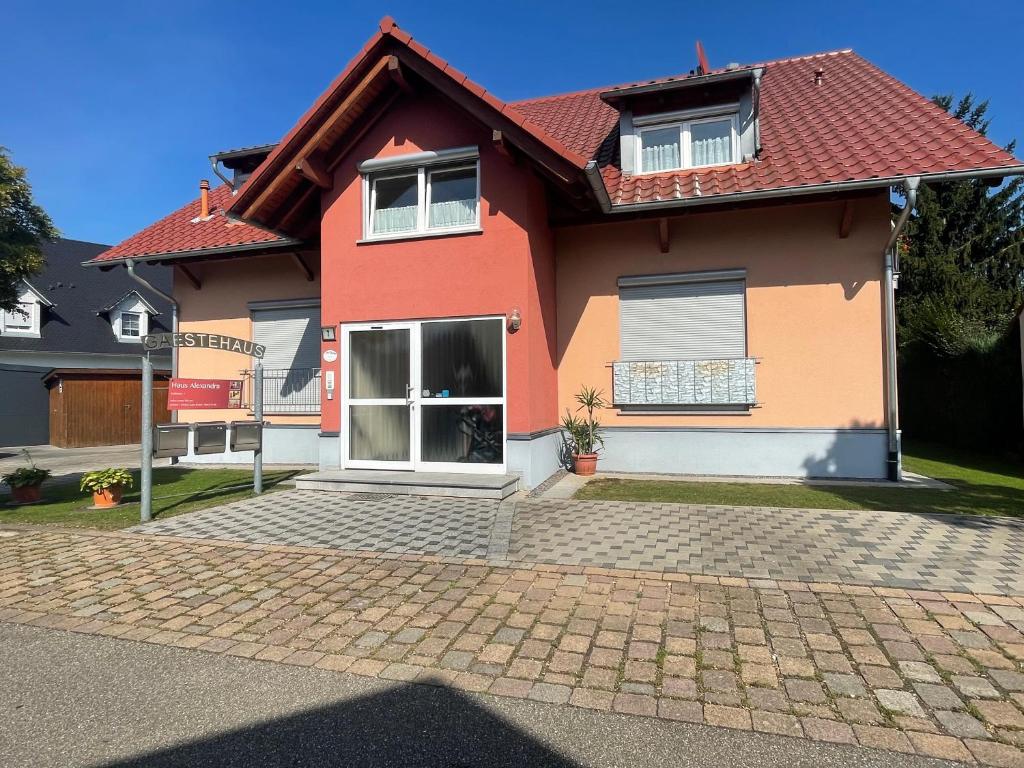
<point x="287" y="390"/>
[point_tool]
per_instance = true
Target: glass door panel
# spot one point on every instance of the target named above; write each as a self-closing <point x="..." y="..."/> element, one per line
<point x="378" y="432"/>
<point x="379" y="364"/>
<point x="461" y="395"/>
<point x="464" y="434"/>
<point x="379" y="397"/>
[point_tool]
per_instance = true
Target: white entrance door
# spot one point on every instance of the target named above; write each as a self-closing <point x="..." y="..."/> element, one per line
<point x="427" y="395"/>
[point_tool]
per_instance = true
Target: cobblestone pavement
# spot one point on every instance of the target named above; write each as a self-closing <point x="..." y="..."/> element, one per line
<point x="377" y="522"/>
<point x="979" y="554"/>
<point x="936" y="673"/>
<point x="852" y="547"/>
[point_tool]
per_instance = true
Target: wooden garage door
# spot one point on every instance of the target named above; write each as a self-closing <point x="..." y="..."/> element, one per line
<point x="89" y="409"/>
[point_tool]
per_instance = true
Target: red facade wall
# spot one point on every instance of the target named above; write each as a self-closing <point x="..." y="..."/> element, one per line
<point x="510" y="264"/>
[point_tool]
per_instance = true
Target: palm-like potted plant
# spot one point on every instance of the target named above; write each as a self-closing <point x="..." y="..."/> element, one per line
<point x="25" y="482"/>
<point x="584" y="431"/>
<point x="107" y="486"/>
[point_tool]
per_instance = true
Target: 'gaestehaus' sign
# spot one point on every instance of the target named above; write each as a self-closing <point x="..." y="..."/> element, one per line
<point x="156" y="341"/>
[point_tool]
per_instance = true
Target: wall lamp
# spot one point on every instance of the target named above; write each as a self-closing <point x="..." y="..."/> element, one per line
<point x="328" y="333"/>
<point x="515" y="320"/>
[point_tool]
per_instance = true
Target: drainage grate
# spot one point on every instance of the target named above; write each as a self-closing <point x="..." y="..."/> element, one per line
<point x="369" y="496"/>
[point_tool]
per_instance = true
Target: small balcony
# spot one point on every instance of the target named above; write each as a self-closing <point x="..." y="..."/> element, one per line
<point x="287" y="391"/>
<point x="729" y="382"/>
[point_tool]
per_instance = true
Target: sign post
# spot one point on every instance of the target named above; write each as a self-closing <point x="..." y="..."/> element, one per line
<point x="195" y="393"/>
<point x="257" y="412"/>
<point x="146" y="472"/>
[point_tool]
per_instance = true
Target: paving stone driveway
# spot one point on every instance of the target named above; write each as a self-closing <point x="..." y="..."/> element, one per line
<point x="939" y="674"/>
<point x="978" y="554"/>
<point x="982" y="555"/>
<point x="356" y="522"/>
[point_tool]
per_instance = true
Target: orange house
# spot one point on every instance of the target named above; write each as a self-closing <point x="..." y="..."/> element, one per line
<point x="435" y="272"/>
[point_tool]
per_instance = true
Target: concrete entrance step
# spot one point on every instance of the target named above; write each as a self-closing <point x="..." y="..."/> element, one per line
<point x="410" y="483"/>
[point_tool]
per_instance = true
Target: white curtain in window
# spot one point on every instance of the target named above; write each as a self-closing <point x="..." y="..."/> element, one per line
<point x="711" y="143"/>
<point x="397" y="219"/>
<point x="660" y="150"/>
<point x="453" y="213"/>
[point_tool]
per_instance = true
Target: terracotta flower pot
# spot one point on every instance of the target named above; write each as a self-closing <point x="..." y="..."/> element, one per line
<point x="107" y="497"/>
<point x="585" y="463"/>
<point x="26" y="494"/>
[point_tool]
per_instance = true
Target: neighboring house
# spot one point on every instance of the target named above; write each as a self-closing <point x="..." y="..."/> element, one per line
<point x="70" y="355"/>
<point x="709" y="249"/>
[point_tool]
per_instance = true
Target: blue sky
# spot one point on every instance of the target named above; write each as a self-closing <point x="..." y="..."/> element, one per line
<point x="114" y="107"/>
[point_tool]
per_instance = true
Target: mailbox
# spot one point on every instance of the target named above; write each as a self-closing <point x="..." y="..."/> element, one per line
<point x="246" y="436"/>
<point x="170" y="440"/>
<point x="210" y="437"/>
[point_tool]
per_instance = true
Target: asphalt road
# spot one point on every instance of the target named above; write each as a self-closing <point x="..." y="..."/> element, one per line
<point x="76" y="700"/>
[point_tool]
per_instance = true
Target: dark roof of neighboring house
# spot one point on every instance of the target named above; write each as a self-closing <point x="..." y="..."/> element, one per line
<point x="78" y="293"/>
<point x="859" y="125"/>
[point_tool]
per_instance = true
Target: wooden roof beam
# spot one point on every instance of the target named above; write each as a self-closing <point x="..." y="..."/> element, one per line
<point x="396" y="74"/>
<point x="313" y="168"/>
<point x="190" y="276"/>
<point x="303" y="266"/>
<point x="846" y="223"/>
<point x="328" y="125"/>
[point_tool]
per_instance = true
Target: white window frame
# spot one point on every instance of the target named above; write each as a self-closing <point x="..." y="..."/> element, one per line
<point x="138" y="318"/>
<point x="21" y="331"/>
<point x="131" y="304"/>
<point x="416" y="402"/>
<point x="686" y="153"/>
<point x="423" y="173"/>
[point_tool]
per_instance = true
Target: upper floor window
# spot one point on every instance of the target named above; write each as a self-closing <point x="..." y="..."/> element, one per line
<point x="131" y="325"/>
<point x="687" y="144"/>
<point x="427" y="193"/>
<point x="21" y="321"/>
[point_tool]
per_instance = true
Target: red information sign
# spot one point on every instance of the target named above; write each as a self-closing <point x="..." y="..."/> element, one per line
<point x="196" y="394"/>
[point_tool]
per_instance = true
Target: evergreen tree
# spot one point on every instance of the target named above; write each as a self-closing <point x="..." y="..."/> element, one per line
<point x="23" y="227"/>
<point x="962" y="260"/>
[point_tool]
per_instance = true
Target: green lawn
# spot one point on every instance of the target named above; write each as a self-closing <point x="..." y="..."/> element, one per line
<point x="982" y="486"/>
<point x="175" y="491"/>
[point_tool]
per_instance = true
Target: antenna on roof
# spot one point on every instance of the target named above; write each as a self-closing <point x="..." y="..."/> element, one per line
<point x="702" y="60"/>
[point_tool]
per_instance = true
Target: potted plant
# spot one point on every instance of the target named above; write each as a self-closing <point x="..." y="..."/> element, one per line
<point x="107" y="486"/>
<point x="584" y="432"/>
<point x="25" y="482"/>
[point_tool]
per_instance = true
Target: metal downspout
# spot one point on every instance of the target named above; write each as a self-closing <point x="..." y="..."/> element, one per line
<point x="130" y="265"/>
<point x="894" y="468"/>
<point x="216" y="169"/>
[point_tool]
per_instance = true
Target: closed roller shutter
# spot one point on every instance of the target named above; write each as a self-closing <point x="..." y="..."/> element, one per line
<point x="683" y="321"/>
<point x="292" y="360"/>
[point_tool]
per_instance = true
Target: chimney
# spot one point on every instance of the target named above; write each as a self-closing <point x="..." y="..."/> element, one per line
<point x="204" y="199"/>
<point x="819" y="76"/>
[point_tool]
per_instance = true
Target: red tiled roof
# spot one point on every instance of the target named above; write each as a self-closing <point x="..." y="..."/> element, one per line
<point x="860" y="124"/>
<point x="389" y="37"/>
<point x="181" y="231"/>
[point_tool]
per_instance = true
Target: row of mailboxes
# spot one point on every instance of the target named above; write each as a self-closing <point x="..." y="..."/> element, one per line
<point x="211" y="437"/>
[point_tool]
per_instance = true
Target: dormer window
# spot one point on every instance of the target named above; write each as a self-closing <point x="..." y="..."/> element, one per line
<point x="129" y="317"/>
<point x="697" y="143"/>
<point x="131" y="325"/>
<point x="23" y="320"/>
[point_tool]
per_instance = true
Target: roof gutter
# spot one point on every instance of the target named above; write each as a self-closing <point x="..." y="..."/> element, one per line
<point x="600" y="191"/>
<point x="831" y="187"/>
<point x="130" y="265"/>
<point x="894" y="468"/>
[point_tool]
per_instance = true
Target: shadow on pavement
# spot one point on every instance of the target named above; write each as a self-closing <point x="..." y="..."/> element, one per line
<point x="409" y="725"/>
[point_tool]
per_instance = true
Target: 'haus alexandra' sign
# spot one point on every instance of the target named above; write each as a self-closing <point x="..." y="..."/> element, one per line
<point x="155" y="341"/>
